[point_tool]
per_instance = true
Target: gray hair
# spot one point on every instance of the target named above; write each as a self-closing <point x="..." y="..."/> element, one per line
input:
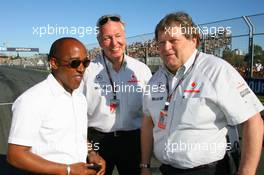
<point x="184" y="20"/>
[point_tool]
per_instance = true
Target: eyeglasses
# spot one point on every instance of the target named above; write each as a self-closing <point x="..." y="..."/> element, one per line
<point x="76" y="63"/>
<point x="104" y="19"/>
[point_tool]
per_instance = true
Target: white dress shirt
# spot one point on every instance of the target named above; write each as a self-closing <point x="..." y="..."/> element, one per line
<point x="52" y="122"/>
<point x="209" y="98"/>
<point x="130" y="82"/>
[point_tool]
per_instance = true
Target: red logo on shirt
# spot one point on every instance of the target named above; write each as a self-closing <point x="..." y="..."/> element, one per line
<point x="133" y="79"/>
<point x="192" y="89"/>
<point x="241" y="85"/>
<point x="193" y="84"/>
<point x="113" y="107"/>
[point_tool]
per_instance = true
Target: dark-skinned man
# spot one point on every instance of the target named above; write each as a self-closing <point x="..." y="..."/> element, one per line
<point x="49" y="126"/>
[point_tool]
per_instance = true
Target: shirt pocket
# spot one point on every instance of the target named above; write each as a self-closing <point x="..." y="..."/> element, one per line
<point x="195" y="113"/>
<point x="55" y="126"/>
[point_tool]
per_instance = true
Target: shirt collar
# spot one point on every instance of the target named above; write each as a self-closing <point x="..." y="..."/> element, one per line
<point x="190" y="61"/>
<point x="56" y="87"/>
<point x="182" y="70"/>
<point x="110" y="65"/>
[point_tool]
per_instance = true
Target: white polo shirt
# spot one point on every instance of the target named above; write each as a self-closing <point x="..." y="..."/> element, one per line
<point x="211" y="96"/>
<point x="52" y="122"/>
<point x="129" y="81"/>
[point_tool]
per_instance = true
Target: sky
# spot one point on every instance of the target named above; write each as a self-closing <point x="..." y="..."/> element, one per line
<point x="25" y="23"/>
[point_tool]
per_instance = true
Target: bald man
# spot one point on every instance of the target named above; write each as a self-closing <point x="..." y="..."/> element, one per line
<point x="49" y="125"/>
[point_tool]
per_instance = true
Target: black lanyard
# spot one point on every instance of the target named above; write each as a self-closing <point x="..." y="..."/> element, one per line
<point x="110" y="78"/>
<point x="169" y="95"/>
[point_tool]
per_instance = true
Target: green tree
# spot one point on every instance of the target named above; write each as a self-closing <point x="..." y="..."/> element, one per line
<point x="258" y="54"/>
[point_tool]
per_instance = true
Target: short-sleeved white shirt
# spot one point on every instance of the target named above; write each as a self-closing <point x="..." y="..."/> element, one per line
<point x="211" y="96"/>
<point x="129" y="81"/>
<point x="52" y="122"/>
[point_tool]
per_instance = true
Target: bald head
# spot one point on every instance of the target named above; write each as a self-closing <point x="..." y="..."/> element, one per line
<point x="64" y="47"/>
<point x="68" y="60"/>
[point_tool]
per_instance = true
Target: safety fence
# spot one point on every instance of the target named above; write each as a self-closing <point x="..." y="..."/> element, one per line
<point x="239" y="40"/>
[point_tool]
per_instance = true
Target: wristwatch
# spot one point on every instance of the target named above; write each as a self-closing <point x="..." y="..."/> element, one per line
<point x="144" y="165"/>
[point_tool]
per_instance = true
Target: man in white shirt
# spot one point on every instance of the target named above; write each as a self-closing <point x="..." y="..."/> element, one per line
<point x="114" y="85"/>
<point x="186" y="122"/>
<point x="48" y="134"/>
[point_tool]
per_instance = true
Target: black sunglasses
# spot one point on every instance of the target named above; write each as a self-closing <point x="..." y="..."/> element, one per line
<point x="104" y="19"/>
<point x="76" y="63"/>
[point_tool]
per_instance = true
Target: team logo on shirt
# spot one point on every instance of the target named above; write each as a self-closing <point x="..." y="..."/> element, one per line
<point x="244" y="92"/>
<point x="243" y="89"/>
<point x="99" y="77"/>
<point x="241" y="85"/>
<point x="192" y="88"/>
<point x="133" y="79"/>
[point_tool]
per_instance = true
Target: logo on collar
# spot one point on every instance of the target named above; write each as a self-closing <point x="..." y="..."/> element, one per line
<point x="99" y="77"/>
<point x="133" y="79"/>
<point x="192" y="88"/>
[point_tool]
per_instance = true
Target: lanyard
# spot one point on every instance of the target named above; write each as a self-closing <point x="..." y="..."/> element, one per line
<point x="110" y="78"/>
<point x="180" y="81"/>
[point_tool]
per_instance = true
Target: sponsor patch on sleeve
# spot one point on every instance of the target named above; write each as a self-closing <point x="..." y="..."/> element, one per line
<point x="244" y="92"/>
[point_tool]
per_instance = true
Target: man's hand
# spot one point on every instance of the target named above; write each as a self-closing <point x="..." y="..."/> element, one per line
<point x="21" y="157"/>
<point x="81" y="169"/>
<point x="94" y="157"/>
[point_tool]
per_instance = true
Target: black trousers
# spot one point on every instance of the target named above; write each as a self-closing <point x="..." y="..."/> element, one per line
<point x="120" y="149"/>
<point x="218" y="168"/>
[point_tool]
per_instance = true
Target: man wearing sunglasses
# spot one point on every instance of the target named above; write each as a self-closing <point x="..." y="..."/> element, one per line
<point x="49" y="126"/>
<point x="114" y="84"/>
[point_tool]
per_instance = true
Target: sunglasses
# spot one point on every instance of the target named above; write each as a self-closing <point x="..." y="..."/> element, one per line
<point x="76" y="63"/>
<point x="104" y="19"/>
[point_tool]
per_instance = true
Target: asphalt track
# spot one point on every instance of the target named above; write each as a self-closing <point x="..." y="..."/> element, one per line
<point x="13" y="82"/>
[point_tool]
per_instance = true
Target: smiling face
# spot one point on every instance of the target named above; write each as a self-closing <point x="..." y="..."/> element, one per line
<point x="112" y="40"/>
<point x="174" y="48"/>
<point x="67" y="51"/>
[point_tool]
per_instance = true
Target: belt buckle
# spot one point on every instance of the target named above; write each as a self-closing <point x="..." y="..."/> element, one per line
<point x="115" y="134"/>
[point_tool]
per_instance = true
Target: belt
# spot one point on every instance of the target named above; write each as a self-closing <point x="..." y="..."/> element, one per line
<point x="115" y="133"/>
<point x="173" y="169"/>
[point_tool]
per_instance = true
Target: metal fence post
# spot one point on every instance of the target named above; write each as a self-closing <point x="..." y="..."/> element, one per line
<point x="250" y="44"/>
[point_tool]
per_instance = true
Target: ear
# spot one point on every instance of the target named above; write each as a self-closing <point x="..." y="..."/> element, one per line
<point x="53" y="63"/>
<point x="195" y="42"/>
<point x="99" y="39"/>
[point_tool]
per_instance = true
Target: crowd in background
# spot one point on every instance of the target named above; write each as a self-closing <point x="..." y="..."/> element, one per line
<point x="139" y="50"/>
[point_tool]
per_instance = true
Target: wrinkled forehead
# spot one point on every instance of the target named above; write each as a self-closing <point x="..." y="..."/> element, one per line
<point x="111" y="28"/>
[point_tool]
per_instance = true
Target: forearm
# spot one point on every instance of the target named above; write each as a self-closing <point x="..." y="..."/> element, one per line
<point x="251" y="145"/>
<point x="32" y="162"/>
<point x="146" y="139"/>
